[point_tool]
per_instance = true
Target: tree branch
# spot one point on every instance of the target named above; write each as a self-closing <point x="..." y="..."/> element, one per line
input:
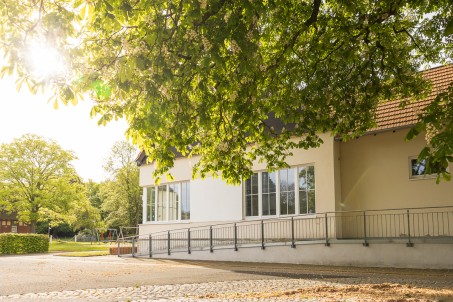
<point x="314" y="14"/>
<point x="309" y="22"/>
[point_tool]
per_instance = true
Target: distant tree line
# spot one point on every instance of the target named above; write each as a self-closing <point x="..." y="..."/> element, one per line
<point x="39" y="183"/>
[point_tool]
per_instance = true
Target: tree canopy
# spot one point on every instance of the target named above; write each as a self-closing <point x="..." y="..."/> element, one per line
<point x="202" y="77"/>
<point x="121" y="195"/>
<point x="38" y="182"/>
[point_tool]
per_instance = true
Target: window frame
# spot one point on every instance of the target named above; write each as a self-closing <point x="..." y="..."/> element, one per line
<point x="423" y="176"/>
<point x="166" y="193"/>
<point x="277" y="192"/>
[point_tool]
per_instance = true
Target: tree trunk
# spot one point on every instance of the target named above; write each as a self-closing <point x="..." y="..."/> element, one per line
<point x="33" y="226"/>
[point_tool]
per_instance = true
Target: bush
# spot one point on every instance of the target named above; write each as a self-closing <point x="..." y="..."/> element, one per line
<point x="63" y="230"/>
<point x="23" y="243"/>
<point x="86" y="235"/>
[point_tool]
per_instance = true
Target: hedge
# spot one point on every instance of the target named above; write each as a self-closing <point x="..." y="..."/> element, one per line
<point x="23" y="243"/>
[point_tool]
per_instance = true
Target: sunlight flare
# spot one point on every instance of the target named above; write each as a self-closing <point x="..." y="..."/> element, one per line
<point x="46" y="62"/>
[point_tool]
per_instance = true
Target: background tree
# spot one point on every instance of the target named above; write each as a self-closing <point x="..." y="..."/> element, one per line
<point x="202" y="77"/>
<point x="38" y="182"/>
<point x="122" y="194"/>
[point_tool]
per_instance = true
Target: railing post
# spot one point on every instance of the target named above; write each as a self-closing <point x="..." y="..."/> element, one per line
<point x="211" y="248"/>
<point x="168" y="243"/>
<point x="409" y="243"/>
<point x="262" y="235"/>
<point x="150" y="246"/>
<point x="119" y="246"/>
<point x="327" y="230"/>
<point x="365" y="241"/>
<point x="188" y="241"/>
<point x="235" y="234"/>
<point x="293" y="241"/>
<point x="133" y="246"/>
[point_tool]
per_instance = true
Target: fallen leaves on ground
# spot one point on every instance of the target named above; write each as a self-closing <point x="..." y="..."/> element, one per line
<point x="385" y="292"/>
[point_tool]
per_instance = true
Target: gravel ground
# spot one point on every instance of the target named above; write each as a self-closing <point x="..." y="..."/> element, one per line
<point x="49" y="278"/>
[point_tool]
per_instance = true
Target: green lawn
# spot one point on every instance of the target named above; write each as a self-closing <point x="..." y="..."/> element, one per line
<point x="83" y="254"/>
<point x="68" y="246"/>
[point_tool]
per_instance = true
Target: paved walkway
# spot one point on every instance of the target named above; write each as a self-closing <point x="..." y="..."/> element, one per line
<point x="53" y="278"/>
<point x="177" y="292"/>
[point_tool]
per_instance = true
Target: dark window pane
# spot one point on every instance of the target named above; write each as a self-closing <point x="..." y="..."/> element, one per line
<point x="302" y="178"/>
<point x="273" y="203"/>
<point x="303" y="202"/>
<point x="272" y="182"/>
<point x="311" y="201"/>
<point x="283" y="180"/>
<point x="153" y="204"/>
<point x="265" y="182"/>
<point x="255" y="183"/>
<point x="185" y="199"/>
<point x="149" y="210"/>
<point x="173" y="201"/>
<point x="254" y="205"/>
<point x="291" y="184"/>
<point x="248" y="186"/>
<point x="310" y="177"/>
<point x="248" y="206"/>
<point x="283" y="204"/>
<point x="265" y="198"/>
<point x="418" y="168"/>
<point x="162" y="203"/>
<point x="291" y="203"/>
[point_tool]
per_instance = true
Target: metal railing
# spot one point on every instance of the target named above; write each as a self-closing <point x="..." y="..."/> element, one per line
<point x="429" y="224"/>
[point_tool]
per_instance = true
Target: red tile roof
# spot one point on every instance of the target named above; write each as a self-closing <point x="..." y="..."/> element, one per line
<point x="391" y="116"/>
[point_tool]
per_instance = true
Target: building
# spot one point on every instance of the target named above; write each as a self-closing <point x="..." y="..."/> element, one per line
<point x="368" y="190"/>
<point x="10" y="224"/>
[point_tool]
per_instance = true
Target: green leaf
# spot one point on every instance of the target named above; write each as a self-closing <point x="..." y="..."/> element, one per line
<point x="449" y="28"/>
<point x="424" y="153"/>
<point x="413" y="132"/>
<point x="6" y="70"/>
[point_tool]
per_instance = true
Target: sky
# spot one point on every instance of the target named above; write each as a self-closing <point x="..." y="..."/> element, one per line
<point x="70" y="126"/>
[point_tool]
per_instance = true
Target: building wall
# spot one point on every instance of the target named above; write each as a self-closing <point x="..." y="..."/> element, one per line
<point x="213" y="201"/>
<point x="428" y="255"/>
<point x="375" y="174"/>
<point x="8" y="226"/>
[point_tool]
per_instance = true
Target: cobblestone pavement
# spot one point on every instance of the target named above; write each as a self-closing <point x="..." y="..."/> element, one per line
<point x="177" y="292"/>
<point x="203" y="291"/>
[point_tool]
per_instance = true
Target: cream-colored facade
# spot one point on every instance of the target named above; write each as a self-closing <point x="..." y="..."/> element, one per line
<point x="375" y="174"/>
<point x="368" y="173"/>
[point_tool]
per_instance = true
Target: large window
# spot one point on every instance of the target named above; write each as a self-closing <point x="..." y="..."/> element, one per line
<point x="284" y="192"/>
<point x="251" y="196"/>
<point x="269" y="193"/>
<point x="306" y="190"/>
<point x="170" y="202"/>
<point x="287" y="192"/>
